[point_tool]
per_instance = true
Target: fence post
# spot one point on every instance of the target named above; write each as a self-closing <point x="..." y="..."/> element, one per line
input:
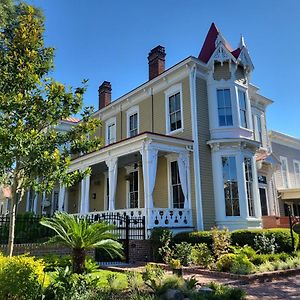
<point x="144" y="227"/>
<point x="291" y="230"/>
<point x="127" y="238"/>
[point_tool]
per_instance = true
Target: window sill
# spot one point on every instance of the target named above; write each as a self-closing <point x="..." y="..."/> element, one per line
<point x="175" y="131"/>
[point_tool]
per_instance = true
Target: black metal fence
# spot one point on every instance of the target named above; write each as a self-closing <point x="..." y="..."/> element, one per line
<point x="27" y="230"/>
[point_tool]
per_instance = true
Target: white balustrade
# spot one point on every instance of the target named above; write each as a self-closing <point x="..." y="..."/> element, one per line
<point x="155" y="217"/>
<point x="169" y="217"/>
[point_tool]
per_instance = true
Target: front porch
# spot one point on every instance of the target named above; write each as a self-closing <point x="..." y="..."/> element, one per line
<point x="148" y="176"/>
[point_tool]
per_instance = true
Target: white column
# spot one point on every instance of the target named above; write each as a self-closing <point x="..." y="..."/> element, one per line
<point x="43" y="203"/>
<point x="35" y="203"/>
<point x="85" y="195"/>
<point x="66" y="203"/>
<point x="61" y="197"/>
<point x="240" y="170"/>
<point x="183" y="168"/>
<point x="112" y="164"/>
<point x="256" y="196"/>
<point x="149" y="159"/>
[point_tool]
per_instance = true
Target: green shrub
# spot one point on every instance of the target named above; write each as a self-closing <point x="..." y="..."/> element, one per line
<point x="161" y="244"/>
<point x="223" y="292"/>
<point x="183" y="252"/>
<point x="242" y="265"/>
<point x="21" y="277"/>
<point x="225" y="262"/>
<point x="282" y="238"/>
<point x="221" y="241"/>
<point x="194" y="237"/>
<point x="265" y="243"/>
<point x="54" y="261"/>
<point x="201" y="255"/>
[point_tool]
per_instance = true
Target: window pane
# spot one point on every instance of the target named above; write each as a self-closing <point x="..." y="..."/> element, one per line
<point x="171" y="104"/>
<point x="177" y="101"/>
<point x="224" y="107"/>
<point x="249" y="186"/>
<point x="263" y="201"/>
<point x="231" y="193"/>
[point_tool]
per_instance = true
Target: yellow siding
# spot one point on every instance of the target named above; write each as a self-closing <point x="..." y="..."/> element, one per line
<point x="221" y="72"/>
<point x="97" y="186"/>
<point x="160" y="193"/>
<point x="205" y="155"/>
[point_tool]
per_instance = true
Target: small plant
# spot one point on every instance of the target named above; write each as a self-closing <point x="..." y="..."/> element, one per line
<point x="265" y="244"/>
<point x="221" y="241"/>
<point x="161" y="243"/>
<point x="175" y="263"/>
<point x="242" y="265"/>
<point x="225" y="262"/>
<point x="182" y="252"/>
<point x="134" y="281"/>
<point x="113" y="282"/>
<point x="153" y="276"/>
<point x="202" y="256"/>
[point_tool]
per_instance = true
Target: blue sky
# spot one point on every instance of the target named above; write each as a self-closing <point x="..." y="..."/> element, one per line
<point x="110" y="40"/>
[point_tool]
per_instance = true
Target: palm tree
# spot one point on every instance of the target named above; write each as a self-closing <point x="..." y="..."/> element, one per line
<point x="81" y="235"/>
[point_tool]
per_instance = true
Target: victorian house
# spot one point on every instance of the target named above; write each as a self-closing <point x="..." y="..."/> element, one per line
<point x="188" y="149"/>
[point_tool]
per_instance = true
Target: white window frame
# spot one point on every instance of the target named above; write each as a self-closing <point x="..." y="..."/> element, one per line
<point x="130" y="169"/>
<point x="253" y="187"/>
<point x="283" y="158"/>
<point x="108" y="123"/>
<point x="130" y="112"/>
<point x="239" y="107"/>
<point x="297" y="177"/>
<point x="171" y="91"/>
<point x="233" y="107"/>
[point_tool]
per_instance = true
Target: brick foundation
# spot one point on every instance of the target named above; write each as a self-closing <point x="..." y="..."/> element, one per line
<point x="140" y="250"/>
<point x="275" y="222"/>
<point x="39" y="250"/>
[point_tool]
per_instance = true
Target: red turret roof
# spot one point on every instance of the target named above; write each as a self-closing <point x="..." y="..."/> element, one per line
<point x="209" y="45"/>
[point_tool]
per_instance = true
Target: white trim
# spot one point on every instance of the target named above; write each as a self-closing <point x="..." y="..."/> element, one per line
<point x="171" y="91"/>
<point x="111" y="121"/>
<point x="106" y="192"/>
<point x="264" y="187"/>
<point x="297" y="180"/>
<point x="283" y="158"/>
<point x="197" y="173"/>
<point x="130" y="112"/>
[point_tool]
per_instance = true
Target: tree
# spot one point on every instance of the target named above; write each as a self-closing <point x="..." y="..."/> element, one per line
<point x="80" y="235"/>
<point x="32" y="153"/>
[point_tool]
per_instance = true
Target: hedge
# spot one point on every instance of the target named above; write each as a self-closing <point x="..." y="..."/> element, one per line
<point x="194" y="237"/>
<point x="282" y="238"/>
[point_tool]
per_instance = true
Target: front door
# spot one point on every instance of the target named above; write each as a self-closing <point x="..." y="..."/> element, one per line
<point x="263" y="201"/>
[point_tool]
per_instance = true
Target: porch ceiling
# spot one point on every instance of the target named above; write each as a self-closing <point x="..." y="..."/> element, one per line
<point x="128" y="150"/>
<point x="290" y="194"/>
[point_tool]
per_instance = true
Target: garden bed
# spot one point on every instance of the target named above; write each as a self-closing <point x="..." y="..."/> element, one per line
<point x="256" y="277"/>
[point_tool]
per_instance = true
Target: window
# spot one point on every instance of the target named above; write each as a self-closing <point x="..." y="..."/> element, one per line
<point x="133" y="197"/>
<point x="297" y="172"/>
<point x="133" y="121"/>
<point x="249" y="186"/>
<point x="111" y="131"/>
<point x="224" y="107"/>
<point x="284" y="172"/>
<point x="243" y="108"/>
<point x="133" y="125"/>
<point x="174" y="112"/>
<point x="231" y="192"/>
<point x="176" y="190"/>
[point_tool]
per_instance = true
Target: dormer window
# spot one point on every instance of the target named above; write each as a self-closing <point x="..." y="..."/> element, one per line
<point x="224" y="107"/>
<point x="133" y="121"/>
<point x="243" y="108"/>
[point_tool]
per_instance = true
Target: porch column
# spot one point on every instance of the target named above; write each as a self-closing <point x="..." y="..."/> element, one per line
<point x="112" y="164"/>
<point x="149" y="159"/>
<point x="61" y="197"/>
<point x="35" y="203"/>
<point x="85" y="195"/>
<point x="184" y="173"/>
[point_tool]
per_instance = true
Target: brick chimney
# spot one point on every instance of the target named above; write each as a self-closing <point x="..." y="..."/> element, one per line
<point x="104" y="94"/>
<point x="156" y="61"/>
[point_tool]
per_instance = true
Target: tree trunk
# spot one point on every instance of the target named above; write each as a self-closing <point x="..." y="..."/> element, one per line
<point x="78" y="260"/>
<point x="12" y="220"/>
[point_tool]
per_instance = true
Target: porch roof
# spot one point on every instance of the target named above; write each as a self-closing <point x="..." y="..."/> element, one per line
<point x="290" y="194"/>
<point x="130" y="145"/>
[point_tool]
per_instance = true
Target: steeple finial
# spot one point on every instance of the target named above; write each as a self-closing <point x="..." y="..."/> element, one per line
<point x="242" y="42"/>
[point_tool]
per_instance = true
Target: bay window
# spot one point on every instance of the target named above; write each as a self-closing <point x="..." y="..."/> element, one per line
<point x="243" y="108"/>
<point x="224" y="107"/>
<point x="249" y="186"/>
